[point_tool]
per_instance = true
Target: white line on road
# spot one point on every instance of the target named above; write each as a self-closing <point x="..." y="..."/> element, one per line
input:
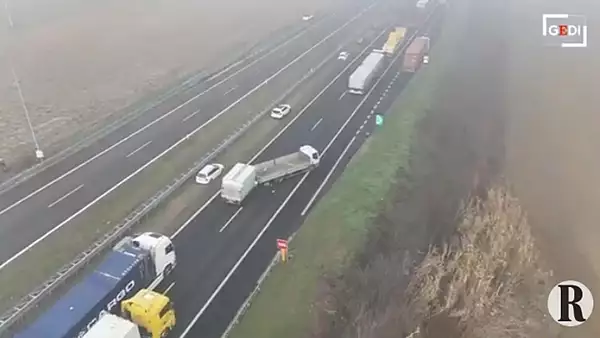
<point x="169" y="288"/>
<point x="341" y="96"/>
<point x="190" y="116"/>
<point x="337" y="162"/>
<point x="138" y="149"/>
<point x="157" y="120"/>
<point x="241" y="259"/>
<point x="159" y="156"/>
<point x="230" y="219"/>
<point x="230" y="90"/>
<point x="289" y="124"/>
<point x="65" y="196"/>
<point x="316" y="124"/>
<point x="266" y="227"/>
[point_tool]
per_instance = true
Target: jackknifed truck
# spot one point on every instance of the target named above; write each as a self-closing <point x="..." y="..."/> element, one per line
<point x="133" y="265"/>
<point x="361" y="79"/>
<point x="243" y="178"/>
<point x="413" y="57"/>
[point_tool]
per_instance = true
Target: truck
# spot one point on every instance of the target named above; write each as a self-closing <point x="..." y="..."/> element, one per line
<point x="400" y="33"/>
<point x="243" y="178"/>
<point x="148" y="314"/>
<point x="413" y="57"/>
<point x="134" y="263"/>
<point x="392" y="42"/>
<point x="362" y="78"/>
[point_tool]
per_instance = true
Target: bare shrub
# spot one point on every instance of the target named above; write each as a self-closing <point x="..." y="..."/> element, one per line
<point x="488" y="280"/>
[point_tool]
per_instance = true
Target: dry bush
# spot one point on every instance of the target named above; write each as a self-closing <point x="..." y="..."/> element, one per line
<point x="488" y="282"/>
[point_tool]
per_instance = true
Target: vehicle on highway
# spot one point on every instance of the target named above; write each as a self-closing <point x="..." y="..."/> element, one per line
<point x="360" y="41"/>
<point x="422" y="3"/>
<point x="243" y="178"/>
<point x="280" y="111"/>
<point x="209" y="173"/>
<point x="415" y="54"/>
<point x="148" y="314"/>
<point x="307" y="17"/>
<point x="343" y="56"/>
<point x="134" y="264"/>
<point x="425" y="59"/>
<point x="362" y="78"/>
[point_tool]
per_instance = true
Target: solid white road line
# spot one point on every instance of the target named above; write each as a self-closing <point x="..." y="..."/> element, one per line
<point x="342" y="96"/>
<point x="316" y="124"/>
<point x="159" y="156"/>
<point x="241" y="259"/>
<point x="65" y="196"/>
<point x="138" y="149"/>
<point x="230" y="219"/>
<point x="337" y="162"/>
<point x="169" y="287"/>
<point x="308" y="105"/>
<point x="190" y="116"/>
<point x="35" y="192"/>
<point x="266" y="227"/>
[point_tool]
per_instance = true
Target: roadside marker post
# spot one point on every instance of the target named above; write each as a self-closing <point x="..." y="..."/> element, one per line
<point x="282" y="245"/>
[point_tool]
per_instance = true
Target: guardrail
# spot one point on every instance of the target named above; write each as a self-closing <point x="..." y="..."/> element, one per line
<point x="187" y="84"/>
<point x="67" y="272"/>
<point x="244" y="307"/>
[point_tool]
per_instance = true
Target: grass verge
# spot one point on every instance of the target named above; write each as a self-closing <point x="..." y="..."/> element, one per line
<point x="285" y="306"/>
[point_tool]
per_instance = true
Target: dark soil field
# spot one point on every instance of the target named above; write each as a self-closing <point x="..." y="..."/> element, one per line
<point x="80" y="61"/>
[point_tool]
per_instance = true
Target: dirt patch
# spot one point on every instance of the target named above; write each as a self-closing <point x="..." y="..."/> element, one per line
<point x="80" y="61"/>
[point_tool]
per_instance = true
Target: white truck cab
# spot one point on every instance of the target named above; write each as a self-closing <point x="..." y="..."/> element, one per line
<point x="160" y="248"/>
<point x="311" y="153"/>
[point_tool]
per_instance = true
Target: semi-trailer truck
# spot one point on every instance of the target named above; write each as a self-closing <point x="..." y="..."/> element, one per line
<point x="392" y="42"/>
<point x="413" y="57"/>
<point x="132" y="264"/>
<point x="148" y="314"/>
<point x="362" y="78"/>
<point x="243" y="178"/>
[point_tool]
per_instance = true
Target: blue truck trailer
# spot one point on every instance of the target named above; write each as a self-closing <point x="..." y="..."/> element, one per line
<point x="133" y="264"/>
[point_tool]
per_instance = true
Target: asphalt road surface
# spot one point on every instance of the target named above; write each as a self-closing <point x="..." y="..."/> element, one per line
<point x="42" y="204"/>
<point x="223" y="250"/>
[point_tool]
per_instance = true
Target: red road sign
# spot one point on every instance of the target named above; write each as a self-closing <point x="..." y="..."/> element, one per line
<point x="282" y="244"/>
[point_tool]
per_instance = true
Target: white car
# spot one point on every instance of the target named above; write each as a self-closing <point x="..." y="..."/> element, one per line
<point x="280" y="111"/>
<point x="343" y="56"/>
<point x="209" y="173"/>
<point x="426" y="59"/>
<point x="307" y="17"/>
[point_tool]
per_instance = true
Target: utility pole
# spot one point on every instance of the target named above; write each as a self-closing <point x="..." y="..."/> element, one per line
<point x="39" y="154"/>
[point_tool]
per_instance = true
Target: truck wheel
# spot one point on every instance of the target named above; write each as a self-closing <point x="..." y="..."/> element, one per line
<point x="168" y="270"/>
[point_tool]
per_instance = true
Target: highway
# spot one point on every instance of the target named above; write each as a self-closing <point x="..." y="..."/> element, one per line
<point x="41" y="205"/>
<point x="223" y="249"/>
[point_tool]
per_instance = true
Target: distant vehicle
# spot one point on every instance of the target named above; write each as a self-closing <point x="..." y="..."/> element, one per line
<point x="307" y="17"/>
<point x="343" y="56"/>
<point x="360" y="41"/>
<point x="243" y="178"/>
<point x="209" y="173"/>
<point x="133" y="264"/>
<point x="422" y="3"/>
<point x="415" y="54"/>
<point x="280" y="111"/>
<point x="362" y="78"/>
<point x="425" y="59"/>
